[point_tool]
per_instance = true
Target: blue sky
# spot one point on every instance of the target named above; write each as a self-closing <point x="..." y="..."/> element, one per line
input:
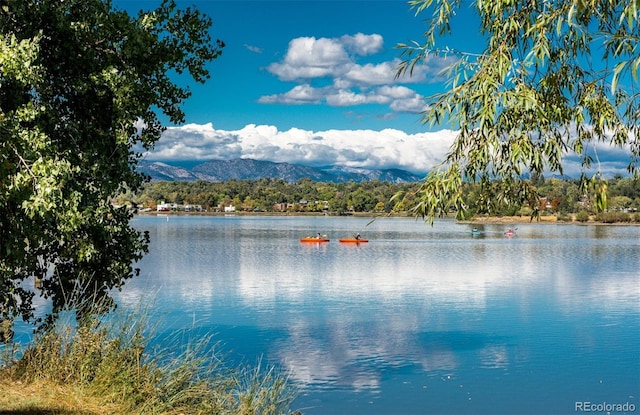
<point x="312" y="82"/>
<point x="313" y="65"/>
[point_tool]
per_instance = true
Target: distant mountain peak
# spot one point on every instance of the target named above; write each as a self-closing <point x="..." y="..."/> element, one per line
<point x="242" y="169"/>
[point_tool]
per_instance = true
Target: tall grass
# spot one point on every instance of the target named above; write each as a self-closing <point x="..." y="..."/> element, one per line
<point x="111" y="358"/>
<point x="614" y="217"/>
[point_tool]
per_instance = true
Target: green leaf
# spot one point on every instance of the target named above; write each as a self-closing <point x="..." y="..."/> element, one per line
<point x="72" y="92"/>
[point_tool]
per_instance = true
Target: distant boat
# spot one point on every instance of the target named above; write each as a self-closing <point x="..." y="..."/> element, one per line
<point x="315" y="239"/>
<point x="510" y="232"/>
<point x="353" y="240"/>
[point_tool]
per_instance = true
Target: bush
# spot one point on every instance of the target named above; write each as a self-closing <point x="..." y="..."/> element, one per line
<point x="613" y="217"/>
<point x="109" y="358"/>
<point x="582" y="216"/>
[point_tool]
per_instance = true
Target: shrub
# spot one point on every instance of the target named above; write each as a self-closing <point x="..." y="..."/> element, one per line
<point x="582" y="216"/>
<point x="109" y="358"/>
<point x="613" y="217"/>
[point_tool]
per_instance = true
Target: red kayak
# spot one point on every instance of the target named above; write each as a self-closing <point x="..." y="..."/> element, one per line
<point x="353" y="240"/>
<point x="314" y="239"/>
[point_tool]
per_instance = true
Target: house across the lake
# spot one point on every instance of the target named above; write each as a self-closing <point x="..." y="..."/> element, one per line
<point x="175" y="207"/>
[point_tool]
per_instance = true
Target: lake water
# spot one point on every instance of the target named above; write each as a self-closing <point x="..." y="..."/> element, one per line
<point x="420" y="320"/>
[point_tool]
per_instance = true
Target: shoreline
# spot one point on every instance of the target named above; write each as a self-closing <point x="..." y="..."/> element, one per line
<point x="480" y="220"/>
<point x="545" y="220"/>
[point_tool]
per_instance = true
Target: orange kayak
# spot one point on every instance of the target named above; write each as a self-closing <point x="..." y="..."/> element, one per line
<point x="353" y="240"/>
<point x="314" y="239"/>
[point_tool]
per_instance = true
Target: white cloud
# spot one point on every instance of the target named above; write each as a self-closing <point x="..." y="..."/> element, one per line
<point x="397" y="92"/>
<point x="388" y="148"/>
<point x="253" y="49"/>
<point x="352" y="83"/>
<point x="300" y="94"/>
<point x="343" y="98"/>
<point x="362" y="44"/>
<point x="398" y="98"/>
<point x="371" y="149"/>
<point x="414" y="104"/>
<point x="370" y="74"/>
<point x="308" y="57"/>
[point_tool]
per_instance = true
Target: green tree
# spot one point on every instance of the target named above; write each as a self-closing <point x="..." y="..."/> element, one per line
<point x="361" y="200"/>
<point x="80" y="84"/>
<point x="546" y="83"/>
<point x="620" y="202"/>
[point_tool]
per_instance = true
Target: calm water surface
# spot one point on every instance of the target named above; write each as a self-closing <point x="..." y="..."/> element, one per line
<point x="420" y="320"/>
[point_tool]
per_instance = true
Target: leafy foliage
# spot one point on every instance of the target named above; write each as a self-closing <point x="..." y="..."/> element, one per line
<point x="554" y="77"/>
<point x="263" y="194"/>
<point x="543" y="196"/>
<point x="80" y="84"/>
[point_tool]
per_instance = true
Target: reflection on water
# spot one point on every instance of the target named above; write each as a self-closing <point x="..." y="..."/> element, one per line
<point x="420" y="319"/>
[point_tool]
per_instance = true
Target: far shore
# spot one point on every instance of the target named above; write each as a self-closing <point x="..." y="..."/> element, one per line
<point x="496" y="220"/>
<point x="547" y="219"/>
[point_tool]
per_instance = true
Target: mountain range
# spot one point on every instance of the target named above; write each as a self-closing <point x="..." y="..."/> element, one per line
<point x="241" y="169"/>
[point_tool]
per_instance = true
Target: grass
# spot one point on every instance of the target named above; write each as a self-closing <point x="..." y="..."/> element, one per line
<point x="107" y="366"/>
<point x="40" y="398"/>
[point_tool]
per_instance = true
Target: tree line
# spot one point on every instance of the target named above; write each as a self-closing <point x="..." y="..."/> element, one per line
<point x="559" y="197"/>
<point x="269" y="195"/>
